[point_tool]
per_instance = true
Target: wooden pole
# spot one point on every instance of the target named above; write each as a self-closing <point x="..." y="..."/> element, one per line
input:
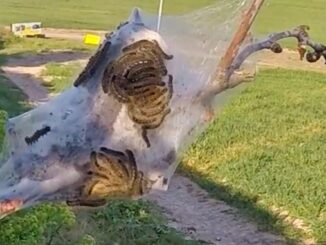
<point x="240" y="35"/>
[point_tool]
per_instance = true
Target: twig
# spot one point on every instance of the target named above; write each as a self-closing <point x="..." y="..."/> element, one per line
<point x="300" y="33"/>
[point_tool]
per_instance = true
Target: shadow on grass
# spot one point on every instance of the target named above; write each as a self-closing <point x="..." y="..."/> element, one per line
<point x="32" y="59"/>
<point x="247" y="206"/>
<point x="12" y="99"/>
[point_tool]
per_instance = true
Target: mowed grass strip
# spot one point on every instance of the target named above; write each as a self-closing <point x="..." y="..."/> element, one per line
<point x="281" y="15"/>
<point x="84" y="14"/>
<point x="60" y="76"/>
<point x="276" y="15"/>
<point x="13" y="45"/>
<point x="12" y="100"/>
<point x="266" y="153"/>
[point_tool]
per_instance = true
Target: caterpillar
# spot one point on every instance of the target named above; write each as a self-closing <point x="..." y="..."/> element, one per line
<point x="136" y="78"/>
<point x="111" y="174"/>
<point x="37" y="135"/>
<point x="92" y="64"/>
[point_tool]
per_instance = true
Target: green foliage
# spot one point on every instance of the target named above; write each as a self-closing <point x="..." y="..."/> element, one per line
<point x="61" y="76"/>
<point x="268" y="149"/>
<point x="37" y="226"/>
<point x="7" y="38"/>
<point x="122" y="222"/>
<point x="87" y="240"/>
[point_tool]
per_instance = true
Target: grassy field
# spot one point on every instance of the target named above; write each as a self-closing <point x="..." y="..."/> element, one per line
<point x="279" y="15"/>
<point x="267" y="151"/>
<point x="122" y="222"/>
<point x="276" y="15"/>
<point x="62" y="76"/>
<point x="11" y="98"/>
<point x="11" y="45"/>
<point x="97" y="14"/>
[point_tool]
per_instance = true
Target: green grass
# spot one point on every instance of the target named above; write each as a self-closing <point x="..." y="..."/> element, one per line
<point x="12" y="45"/>
<point x="268" y="148"/>
<point x="122" y="222"/>
<point x="61" y="76"/>
<point x="276" y="15"/>
<point x="96" y="14"/>
<point x="12" y="100"/>
<point x="280" y="15"/>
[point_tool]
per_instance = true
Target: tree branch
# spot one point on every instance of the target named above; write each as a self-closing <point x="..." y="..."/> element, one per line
<point x="300" y="33"/>
<point x="240" y="35"/>
<point x="229" y="78"/>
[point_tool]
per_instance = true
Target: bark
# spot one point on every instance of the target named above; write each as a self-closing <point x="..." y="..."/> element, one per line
<point x="229" y="80"/>
<point x="300" y="33"/>
<point x="240" y="36"/>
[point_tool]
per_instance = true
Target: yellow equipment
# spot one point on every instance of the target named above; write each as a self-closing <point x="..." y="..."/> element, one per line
<point x="92" y="39"/>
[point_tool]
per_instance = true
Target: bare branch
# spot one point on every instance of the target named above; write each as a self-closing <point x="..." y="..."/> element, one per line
<point x="229" y="79"/>
<point x="239" y="36"/>
<point x="300" y="33"/>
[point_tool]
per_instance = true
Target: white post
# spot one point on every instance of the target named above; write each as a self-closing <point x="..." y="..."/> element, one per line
<point x="160" y="10"/>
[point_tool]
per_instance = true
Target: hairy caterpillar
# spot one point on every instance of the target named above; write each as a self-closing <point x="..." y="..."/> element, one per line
<point x="136" y="79"/>
<point x="38" y="134"/>
<point x="111" y="174"/>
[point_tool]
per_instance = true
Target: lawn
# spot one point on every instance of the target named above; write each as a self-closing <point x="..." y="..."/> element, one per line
<point x="12" y="100"/>
<point x="279" y="15"/>
<point x="12" y="45"/>
<point x="266" y="153"/>
<point x="61" y="76"/>
<point x="96" y="14"/>
<point x="276" y="15"/>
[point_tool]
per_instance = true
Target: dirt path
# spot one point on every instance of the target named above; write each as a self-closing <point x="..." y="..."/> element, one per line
<point x="288" y="59"/>
<point x="190" y="210"/>
<point x="188" y="207"/>
<point x="25" y="72"/>
<point x="70" y="34"/>
<point x="26" y="79"/>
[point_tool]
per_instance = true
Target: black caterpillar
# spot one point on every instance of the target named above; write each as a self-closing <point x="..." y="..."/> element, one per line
<point x="93" y="62"/>
<point x="38" y="134"/>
